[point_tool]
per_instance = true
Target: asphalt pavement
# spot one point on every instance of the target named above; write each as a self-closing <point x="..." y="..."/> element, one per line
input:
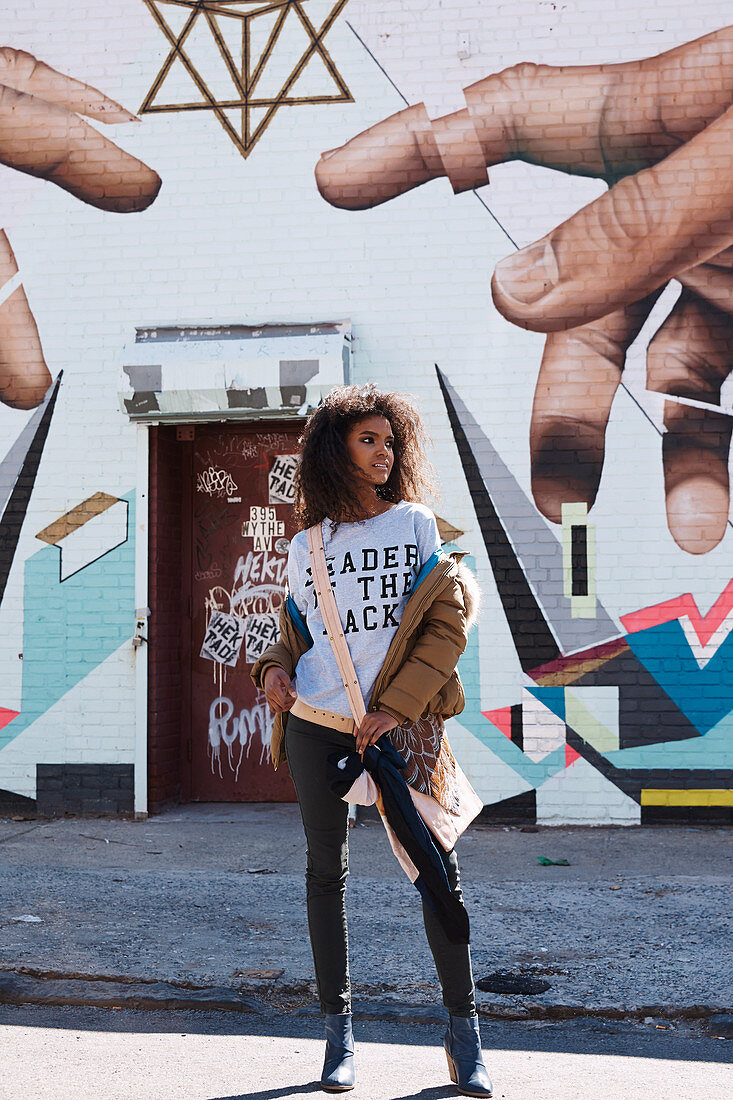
<point x="203" y="907"/>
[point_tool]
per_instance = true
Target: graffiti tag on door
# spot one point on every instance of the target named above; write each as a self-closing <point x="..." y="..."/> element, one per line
<point x="238" y="734"/>
<point x="244" y="616"/>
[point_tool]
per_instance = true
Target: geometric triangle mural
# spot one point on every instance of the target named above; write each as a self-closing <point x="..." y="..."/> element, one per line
<point x="57" y="607"/>
<point x="18" y="476"/>
<point x="589" y="689"/>
<point x="502" y="719"/>
<point x="244" y="60"/>
<point x="526" y="557"/>
<point x="7" y="716"/>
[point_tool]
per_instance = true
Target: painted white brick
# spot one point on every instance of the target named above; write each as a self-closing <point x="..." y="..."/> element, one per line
<point x="230" y="240"/>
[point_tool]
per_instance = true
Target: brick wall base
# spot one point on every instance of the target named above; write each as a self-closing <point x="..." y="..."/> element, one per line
<point x="84" y="789"/>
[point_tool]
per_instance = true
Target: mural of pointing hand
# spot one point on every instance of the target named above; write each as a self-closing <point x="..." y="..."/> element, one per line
<point x="43" y="134"/>
<point x="659" y="132"/>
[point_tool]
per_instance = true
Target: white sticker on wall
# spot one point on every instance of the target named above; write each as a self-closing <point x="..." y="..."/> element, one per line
<point x="260" y="632"/>
<point x="223" y="640"/>
<point x="262" y="526"/>
<point x="282" y="479"/>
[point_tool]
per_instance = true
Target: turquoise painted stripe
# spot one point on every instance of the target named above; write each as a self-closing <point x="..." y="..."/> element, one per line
<point x="533" y="772"/>
<point x="704" y="695"/>
<point x="70" y="627"/>
<point x="711" y="751"/>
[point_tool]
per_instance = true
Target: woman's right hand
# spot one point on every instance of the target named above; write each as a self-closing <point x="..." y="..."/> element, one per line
<point x="279" y="690"/>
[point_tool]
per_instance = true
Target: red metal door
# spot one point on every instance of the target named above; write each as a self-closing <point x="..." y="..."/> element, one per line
<point x="241" y="526"/>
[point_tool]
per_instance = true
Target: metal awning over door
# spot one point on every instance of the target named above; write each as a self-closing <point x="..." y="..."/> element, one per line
<point x="180" y="374"/>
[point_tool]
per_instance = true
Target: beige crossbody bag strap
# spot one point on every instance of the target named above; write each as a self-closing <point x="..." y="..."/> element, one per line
<point x="332" y="622"/>
<point x="446" y="827"/>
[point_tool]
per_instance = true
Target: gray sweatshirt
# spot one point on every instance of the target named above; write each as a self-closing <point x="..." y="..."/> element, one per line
<point x="373" y="565"/>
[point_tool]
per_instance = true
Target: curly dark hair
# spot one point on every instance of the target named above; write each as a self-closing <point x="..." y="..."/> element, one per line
<point x="324" y="481"/>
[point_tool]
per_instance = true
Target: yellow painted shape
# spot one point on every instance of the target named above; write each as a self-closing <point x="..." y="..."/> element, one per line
<point x="579" y="718"/>
<point x="581" y="607"/>
<point x="686" y="798"/>
<point x="446" y="530"/>
<point x="76" y="518"/>
<point x="577" y="667"/>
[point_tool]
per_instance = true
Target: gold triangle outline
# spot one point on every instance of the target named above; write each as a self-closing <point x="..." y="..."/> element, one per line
<point x="243" y="83"/>
<point x="175" y="52"/>
<point x="223" y="8"/>
<point x="178" y="52"/>
<point x="271" y="43"/>
<point x="226" y="54"/>
<point x="320" y="35"/>
<point x="316" y="44"/>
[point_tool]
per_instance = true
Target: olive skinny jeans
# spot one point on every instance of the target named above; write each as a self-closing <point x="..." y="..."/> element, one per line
<point x="325" y="821"/>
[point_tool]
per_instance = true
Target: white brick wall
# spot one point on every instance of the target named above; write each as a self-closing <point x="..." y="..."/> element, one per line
<point x="250" y="241"/>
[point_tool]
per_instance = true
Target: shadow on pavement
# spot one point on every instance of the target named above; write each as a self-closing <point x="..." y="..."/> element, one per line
<point x="684" y="1042"/>
<point x="276" y="1094"/>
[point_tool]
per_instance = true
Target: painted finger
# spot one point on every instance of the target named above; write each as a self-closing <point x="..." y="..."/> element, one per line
<point x="24" y="376"/>
<point x="580" y="373"/>
<point x="25" y="73"/>
<point x="695" y="451"/>
<point x="712" y="281"/>
<point x="627" y="243"/>
<point x="44" y="140"/>
<point x="386" y="160"/>
<point x="605" y="121"/>
<point x="690" y="355"/>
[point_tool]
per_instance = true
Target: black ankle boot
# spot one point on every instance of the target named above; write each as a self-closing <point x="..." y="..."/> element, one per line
<point x="338" y="1067"/>
<point x="462" y="1044"/>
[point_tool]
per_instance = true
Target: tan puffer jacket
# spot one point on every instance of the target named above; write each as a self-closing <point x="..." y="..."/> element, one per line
<point x="419" y="672"/>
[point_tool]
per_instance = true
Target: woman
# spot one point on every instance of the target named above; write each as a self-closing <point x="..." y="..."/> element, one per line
<point x="361" y="476"/>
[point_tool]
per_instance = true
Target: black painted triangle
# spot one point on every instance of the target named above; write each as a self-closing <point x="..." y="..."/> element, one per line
<point x="17" y="506"/>
<point x="517" y="727"/>
<point x="12" y="803"/>
<point x="520" y="808"/>
<point x="533" y="639"/>
<point x="633" y="780"/>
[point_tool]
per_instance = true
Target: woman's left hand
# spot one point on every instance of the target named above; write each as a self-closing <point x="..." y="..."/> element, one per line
<point x="372" y="727"/>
